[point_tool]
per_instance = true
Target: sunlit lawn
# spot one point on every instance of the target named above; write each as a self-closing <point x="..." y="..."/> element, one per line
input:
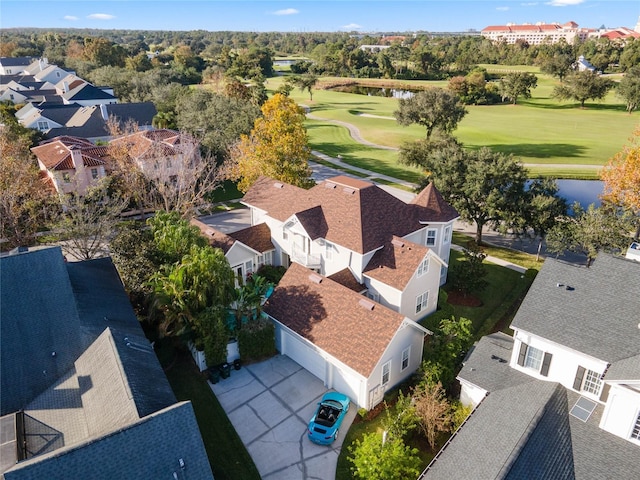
<point x="539" y="130"/>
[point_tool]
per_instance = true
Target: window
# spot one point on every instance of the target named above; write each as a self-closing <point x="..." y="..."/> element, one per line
<point x="592" y="382"/>
<point x="386" y="371"/>
<point x="375" y="296"/>
<point x="421" y="302"/>
<point x="447" y="234"/>
<point x="405" y="358"/>
<point x="533" y="359"/>
<point x="328" y="250"/>
<point x="265" y="259"/>
<point x="11" y="96"/>
<point x="42" y="125"/>
<point x="94" y="173"/>
<point x="424" y="267"/>
<point x="635" y="432"/>
<point x="431" y="238"/>
<point x="285" y="235"/>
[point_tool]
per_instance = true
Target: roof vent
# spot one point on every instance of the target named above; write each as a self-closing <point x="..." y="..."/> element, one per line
<point x="315" y="278"/>
<point x="330" y="185"/>
<point x="278" y="185"/>
<point x="349" y="191"/>
<point x="366" y="304"/>
<point x="568" y="288"/>
<point x="397" y="243"/>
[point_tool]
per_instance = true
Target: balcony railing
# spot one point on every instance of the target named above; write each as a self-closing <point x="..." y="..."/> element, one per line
<point x="306" y="259"/>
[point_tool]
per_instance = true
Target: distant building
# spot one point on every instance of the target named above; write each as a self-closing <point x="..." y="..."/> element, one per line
<point x="536" y="34"/>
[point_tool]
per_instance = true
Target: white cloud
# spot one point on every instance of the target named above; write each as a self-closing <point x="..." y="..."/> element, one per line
<point x="529" y="4"/>
<point x="70" y="17"/>
<point x="502" y="9"/>
<point x="286" y="11"/>
<point x="564" y="3"/>
<point x="101" y="16"/>
<point x="352" y="26"/>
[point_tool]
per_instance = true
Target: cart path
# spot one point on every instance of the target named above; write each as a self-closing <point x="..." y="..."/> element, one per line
<point x="357" y="137"/>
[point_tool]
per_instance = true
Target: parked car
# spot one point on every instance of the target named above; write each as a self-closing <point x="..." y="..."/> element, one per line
<point x="324" y="425"/>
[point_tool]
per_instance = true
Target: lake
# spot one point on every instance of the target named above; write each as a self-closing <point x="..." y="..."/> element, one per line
<point x="584" y="191"/>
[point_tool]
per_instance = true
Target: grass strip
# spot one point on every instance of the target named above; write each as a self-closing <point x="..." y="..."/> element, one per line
<point x="227" y="454"/>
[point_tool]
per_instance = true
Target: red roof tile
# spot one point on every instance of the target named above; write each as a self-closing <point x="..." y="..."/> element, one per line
<point x="330" y="316"/>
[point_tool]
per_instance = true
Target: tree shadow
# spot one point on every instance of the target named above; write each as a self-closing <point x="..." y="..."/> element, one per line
<point x="297" y="307"/>
<point x="602" y="107"/>
<point x="537" y="150"/>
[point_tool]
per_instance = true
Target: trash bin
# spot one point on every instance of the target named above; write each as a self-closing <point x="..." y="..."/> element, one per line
<point x="213" y="374"/>
<point x="236" y="364"/>
<point x="225" y="370"/>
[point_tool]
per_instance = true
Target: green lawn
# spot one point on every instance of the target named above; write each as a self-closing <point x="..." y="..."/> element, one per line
<point x="228" y="457"/>
<point x="539" y="130"/>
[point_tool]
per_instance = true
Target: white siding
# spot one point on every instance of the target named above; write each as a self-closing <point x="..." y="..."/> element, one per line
<point x="470" y="394"/>
<point x="621" y="411"/>
<point x="428" y="282"/>
<point x="564" y="362"/>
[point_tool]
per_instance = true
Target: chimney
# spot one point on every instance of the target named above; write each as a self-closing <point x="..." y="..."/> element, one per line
<point x="78" y="163"/>
<point x="103" y="111"/>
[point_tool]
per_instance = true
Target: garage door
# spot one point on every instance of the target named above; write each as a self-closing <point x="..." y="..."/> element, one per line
<point x="347" y="383"/>
<point x="301" y="353"/>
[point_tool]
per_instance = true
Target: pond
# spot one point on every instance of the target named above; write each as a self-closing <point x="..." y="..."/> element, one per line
<point x="584" y="191"/>
<point x="375" y="91"/>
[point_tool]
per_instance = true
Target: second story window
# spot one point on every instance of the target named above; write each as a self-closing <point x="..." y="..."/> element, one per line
<point x="328" y="250"/>
<point x="431" y="238"/>
<point x="422" y="301"/>
<point x="424" y="267"/>
<point x="43" y="125"/>
<point x="533" y="359"/>
<point x="447" y="234"/>
<point x="592" y="382"/>
<point x="94" y="173"/>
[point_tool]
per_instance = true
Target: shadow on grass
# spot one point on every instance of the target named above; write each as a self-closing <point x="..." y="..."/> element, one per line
<point x="537" y="150"/>
<point x="602" y="107"/>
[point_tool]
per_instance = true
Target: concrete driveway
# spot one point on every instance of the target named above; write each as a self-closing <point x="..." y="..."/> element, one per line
<point x="269" y="404"/>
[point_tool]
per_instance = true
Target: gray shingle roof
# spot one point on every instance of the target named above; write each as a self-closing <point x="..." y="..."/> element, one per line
<point x="597" y="315"/>
<point x="148" y="449"/>
<point x="87" y="92"/>
<point x="487" y="364"/>
<point x="39" y="317"/>
<point x="523" y="429"/>
<point x="141" y="113"/>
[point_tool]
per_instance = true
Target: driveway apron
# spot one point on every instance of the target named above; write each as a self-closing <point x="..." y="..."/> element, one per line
<point x="269" y="404"/>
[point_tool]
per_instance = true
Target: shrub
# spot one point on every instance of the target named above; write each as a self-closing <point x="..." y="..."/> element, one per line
<point x="272" y="273"/>
<point x="256" y="340"/>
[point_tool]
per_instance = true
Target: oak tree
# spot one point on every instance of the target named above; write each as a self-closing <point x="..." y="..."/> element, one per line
<point x="517" y="84"/>
<point x="629" y="88"/>
<point x="434" y="109"/>
<point x="583" y="86"/>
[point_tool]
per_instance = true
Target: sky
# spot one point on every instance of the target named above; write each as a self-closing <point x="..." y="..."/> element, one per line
<point x="312" y="16"/>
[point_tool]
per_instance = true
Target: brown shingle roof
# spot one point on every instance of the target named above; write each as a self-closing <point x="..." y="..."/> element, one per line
<point x="332" y="318"/>
<point x="349" y="212"/>
<point x="216" y="238"/>
<point x="396" y="263"/>
<point x="257" y="237"/>
<point x="346" y="279"/>
<point x="431" y="199"/>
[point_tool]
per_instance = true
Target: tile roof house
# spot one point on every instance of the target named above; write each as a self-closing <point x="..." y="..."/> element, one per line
<point x="83" y="394"/>
<point x="360" y="245"/>
<point x="561" y="398"/>
<point x="72" y="164"/>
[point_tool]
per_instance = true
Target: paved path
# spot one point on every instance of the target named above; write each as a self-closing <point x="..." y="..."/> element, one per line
<point x="357" y="136"/>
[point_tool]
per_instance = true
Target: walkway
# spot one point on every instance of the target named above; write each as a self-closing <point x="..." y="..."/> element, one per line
<point x="357" y="137"/>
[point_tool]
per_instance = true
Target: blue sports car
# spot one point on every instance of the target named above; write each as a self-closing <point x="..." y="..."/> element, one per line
<point x="324" y="425"/>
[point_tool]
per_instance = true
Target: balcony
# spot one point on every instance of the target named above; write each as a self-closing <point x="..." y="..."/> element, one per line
<point x="306" y="259"/>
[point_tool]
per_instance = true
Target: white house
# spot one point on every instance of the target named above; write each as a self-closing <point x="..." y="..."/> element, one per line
<point x="351" y="343"/>
<point x="561" y="398"/>
<point x="398" y="252"/>
<point x="364" y="266"/>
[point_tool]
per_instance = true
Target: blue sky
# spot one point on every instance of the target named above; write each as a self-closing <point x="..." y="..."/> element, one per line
<point x="311" y="15"/>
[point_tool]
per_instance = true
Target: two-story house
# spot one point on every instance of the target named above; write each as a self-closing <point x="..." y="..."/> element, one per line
<point x="561" y="398"/>
<point x="364" y="266"/>
<point x="72" y="164"/>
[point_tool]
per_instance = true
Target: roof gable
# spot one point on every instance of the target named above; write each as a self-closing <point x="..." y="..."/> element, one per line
<point x="331" y="317"/>
<point x="256" y="237"/>
<point x="396" y="263"/>
<point x="436" y="208"/>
